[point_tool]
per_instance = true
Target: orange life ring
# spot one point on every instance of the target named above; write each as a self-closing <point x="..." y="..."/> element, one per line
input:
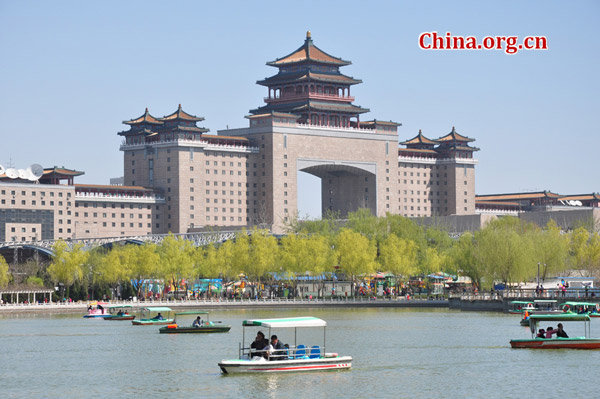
<point x="566" y="308"/>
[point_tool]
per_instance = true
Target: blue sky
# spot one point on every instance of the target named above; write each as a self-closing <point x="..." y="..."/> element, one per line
<point x="72" y="71"/>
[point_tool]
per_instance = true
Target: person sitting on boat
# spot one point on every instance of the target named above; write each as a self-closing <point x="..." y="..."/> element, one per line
<point x="541" y="333"/>
<point x="197" y="322"/>
<point x="120" y="313"/>
<point x="276" y="350"/>
<point x="550" y="331"/>
<point x="99" y="307"/>
<point x="560" y="333"/>
<point x="260" y="344"/>
<point x="89" y="308"/>
<point x="158" y="317"/>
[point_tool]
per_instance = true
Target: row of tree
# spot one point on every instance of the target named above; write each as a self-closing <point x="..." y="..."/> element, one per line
<point x="506" y="250"/>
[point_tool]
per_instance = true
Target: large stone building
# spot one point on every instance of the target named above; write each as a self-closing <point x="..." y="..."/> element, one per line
<point x="179" y="178"/>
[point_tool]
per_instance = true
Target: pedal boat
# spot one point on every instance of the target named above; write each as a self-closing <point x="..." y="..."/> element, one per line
<point x="296" y="358"/>
<point x="582" y="342"/>
<point x="590" y="308"/>
<point x="207" y="326"/>
<point x="156" y="320"/>
<point x="98" y="311"/>
<point x="119" y="313"/>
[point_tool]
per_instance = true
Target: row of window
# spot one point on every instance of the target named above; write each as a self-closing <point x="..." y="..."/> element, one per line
<point x="33" y="202"/>
<point x="34" y="193"/>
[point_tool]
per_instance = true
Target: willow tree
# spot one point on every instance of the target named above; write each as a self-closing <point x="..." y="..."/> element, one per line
<point x="364" y="222"/>
<point x="4" y="273"/>
<point x="302" y="253"/>
<point x="176" y="260"/>
<point x="240" y="254"/>
<point x="463" y="258"/>
<point x="551" y="249"/>
<point x="398" y="256"/>
<point x="113" y="267"/>
<point x="144" y="265"/>
<point x="355" y="253"/>
<point x="67" y="266"/>
<point x="505" y="254"/>
<point x="263" y="254"/>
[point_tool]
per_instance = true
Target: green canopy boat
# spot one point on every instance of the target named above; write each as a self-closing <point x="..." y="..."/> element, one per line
<point x="582" y="342"/>
<point x="197" y="326"/>
<point x="119" y="313"/>
<point x="158" y="319"/>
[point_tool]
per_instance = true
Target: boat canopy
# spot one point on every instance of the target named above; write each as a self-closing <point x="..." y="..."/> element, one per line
<point x="521" y="303"/>
<point x="559" y="317"/>
<point x="286" y="323"/>
<point x="157" y="309"/>
<point x="545" y="301"/>
<point x="120" y="306"/>
<point x="579" y="304"/>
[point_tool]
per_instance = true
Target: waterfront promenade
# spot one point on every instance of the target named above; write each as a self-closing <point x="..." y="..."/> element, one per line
<point x="221" y="303"/>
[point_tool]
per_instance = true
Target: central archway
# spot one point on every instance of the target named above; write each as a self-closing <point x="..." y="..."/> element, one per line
<point x="345" y="186"/>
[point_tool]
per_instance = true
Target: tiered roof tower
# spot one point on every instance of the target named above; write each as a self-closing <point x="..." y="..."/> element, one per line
<point x="310" y="85"/>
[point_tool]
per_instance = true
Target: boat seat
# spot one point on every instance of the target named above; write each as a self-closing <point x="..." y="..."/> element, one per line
<point x="300" y="351"/>
<point x="315" y="352"/>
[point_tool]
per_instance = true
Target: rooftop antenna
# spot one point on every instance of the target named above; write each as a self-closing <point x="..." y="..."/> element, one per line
<point x="36" y="170"/>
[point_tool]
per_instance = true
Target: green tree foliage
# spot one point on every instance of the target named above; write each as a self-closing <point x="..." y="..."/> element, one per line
<point x="398" y="256"/>
<point x="145" y="265"/>
<point x="67" y="266"/>
<point x="240" y="254"/>
<point x="263" y="254"/>
<point x="355" y="253"/>
<point x="4" y="273"/>
<point x="463" y="259"/>
<point x="362" y="221"/>
<point x="176" y="259"/>
<point x="34" y="281"/>
<point x="505" y="254"/>
<point x="551" y="249"/>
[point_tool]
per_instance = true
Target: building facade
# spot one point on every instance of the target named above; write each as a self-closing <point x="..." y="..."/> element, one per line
<point x="179" y="178"/>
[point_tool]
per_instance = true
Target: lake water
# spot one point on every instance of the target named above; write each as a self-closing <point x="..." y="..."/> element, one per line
<point x="405" y="353"/>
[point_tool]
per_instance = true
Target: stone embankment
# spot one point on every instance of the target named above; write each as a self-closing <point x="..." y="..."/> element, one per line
<point x="80" y="307"/>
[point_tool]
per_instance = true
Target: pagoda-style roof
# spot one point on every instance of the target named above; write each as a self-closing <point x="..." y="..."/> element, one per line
<point x="186" y="129"/>
<point x="62" y="171"/>
<point x="419" y="139"/>
<point x="308" y="76"/>
<point x="134" y="132"/>
<point x="308" y="52"/>
<point x="145" y="118"/>
<point x="454" y="136"/>
<point x="180" y="114"/>
<point x="517" y="196"/>
<point x="305" y="105"/>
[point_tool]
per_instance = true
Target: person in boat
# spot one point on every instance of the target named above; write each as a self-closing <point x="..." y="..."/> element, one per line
<point x="560" y="333"/>
<point x="260" y="344"/>
<point x="541" y="333"/>
<point x="89" y="308"/>
<point x="120" y="313"/>
<point x="550" y="331"/>
<point x="276" y="350"/>
<point x="197" y="323"/>
<point x="99" y="307"/>
<point x="158" y="317"/>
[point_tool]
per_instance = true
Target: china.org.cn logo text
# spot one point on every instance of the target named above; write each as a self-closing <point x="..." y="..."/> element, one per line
<point x="509" y="44"/>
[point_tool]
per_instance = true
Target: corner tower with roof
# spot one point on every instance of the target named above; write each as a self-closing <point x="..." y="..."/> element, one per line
<point x="437" y="177"/>
<point x="199" y="175"/>
<point x="309" y="84"/>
